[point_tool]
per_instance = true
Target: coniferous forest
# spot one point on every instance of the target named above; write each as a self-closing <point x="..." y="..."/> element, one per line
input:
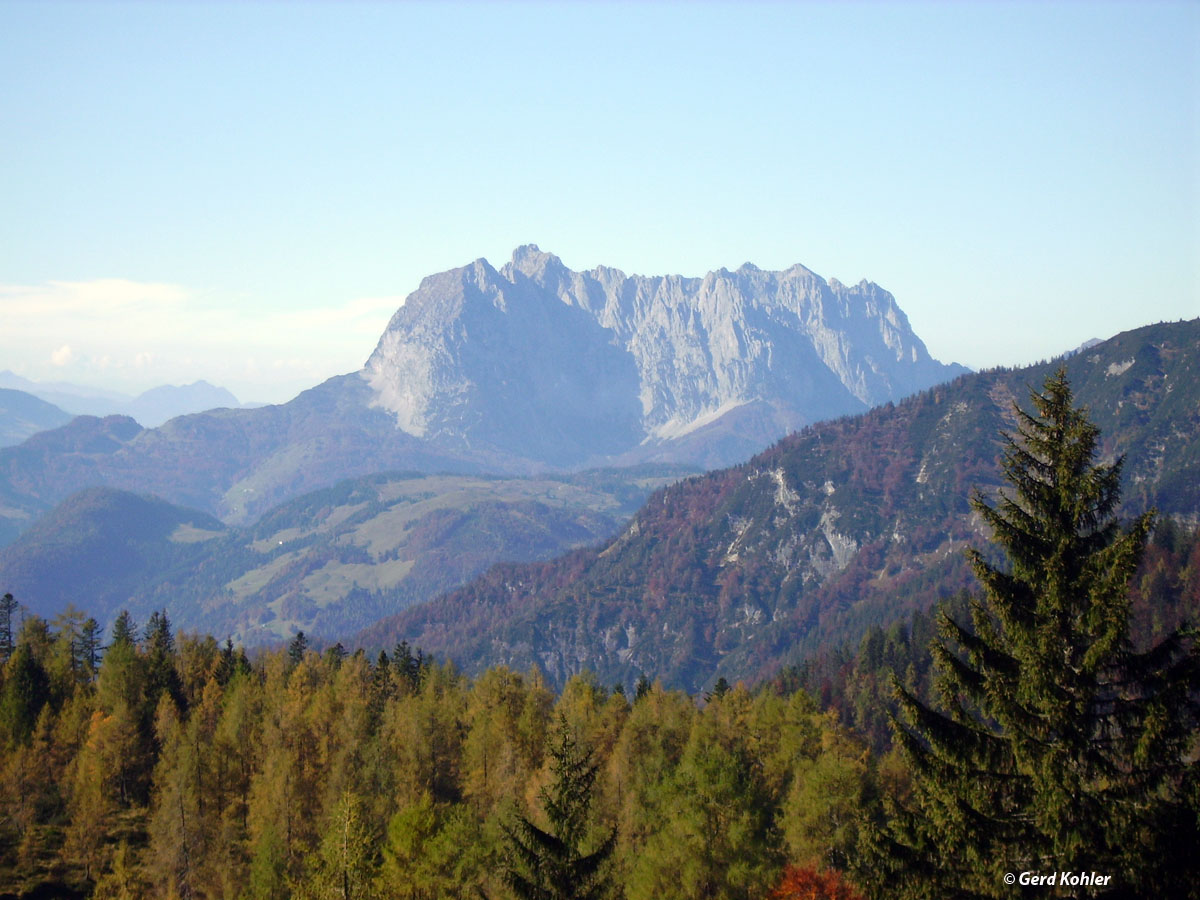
<point x="1043" y="725"/>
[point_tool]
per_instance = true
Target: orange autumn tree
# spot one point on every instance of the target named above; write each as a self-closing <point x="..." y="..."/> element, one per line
<point x="809" y="884"/>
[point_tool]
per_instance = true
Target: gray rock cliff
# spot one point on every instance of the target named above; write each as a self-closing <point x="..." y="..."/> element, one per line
<point x="540" y="361"/>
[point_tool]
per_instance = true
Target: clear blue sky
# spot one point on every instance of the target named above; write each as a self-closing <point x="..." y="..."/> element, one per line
<point x="244" y="192"/>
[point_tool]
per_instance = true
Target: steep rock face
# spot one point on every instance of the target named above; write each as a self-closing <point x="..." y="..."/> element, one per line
<point x="540" y="361"/>
<point x="471" y="357"/>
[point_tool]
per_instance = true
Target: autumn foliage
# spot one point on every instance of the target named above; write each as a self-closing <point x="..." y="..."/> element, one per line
<point x="807" y="883"/>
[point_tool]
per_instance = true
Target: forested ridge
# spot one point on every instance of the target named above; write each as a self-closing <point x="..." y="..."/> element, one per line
<point x="1046" y="722"/>
<point x="177" y="767"/>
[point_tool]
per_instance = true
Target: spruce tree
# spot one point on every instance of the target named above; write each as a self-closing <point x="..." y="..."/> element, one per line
<point x="296" y="649"/>
<point x="124" y="630"/>
<point x="89" y="648"/>
<point x="551" y="864"/>
<point x="408" y="667"/>
<point x="8" y="606"/>
<point x="1059" y="746"/>
<point x="158" y="645"/>
<point x="25" y="690"/>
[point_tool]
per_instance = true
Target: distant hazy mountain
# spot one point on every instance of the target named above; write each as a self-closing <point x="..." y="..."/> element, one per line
<point x="150" y="408"/>
<point x="526" y="369"/>
<point x="846" y="524"/>
<point x="1086" y="345"/>
<point x="157" y="405"/>
<point x="77" y="399"/>
<point x="23" y="414"/>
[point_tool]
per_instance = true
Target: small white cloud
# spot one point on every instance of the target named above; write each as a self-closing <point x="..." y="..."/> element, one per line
<point x="130" y="335"/>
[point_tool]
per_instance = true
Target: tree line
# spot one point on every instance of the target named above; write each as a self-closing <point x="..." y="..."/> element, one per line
<point x="178" y="767"/>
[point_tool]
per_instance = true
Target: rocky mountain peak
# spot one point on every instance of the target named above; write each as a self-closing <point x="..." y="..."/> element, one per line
<point x="529" y="258"/>
<point x="544" y="269"/>
<point x="571" y="367"/>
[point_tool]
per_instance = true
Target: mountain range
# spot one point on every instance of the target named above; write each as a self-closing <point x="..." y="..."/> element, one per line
<point x="427" y="497"/>
<point x="570" y="368"/>
<point x="150" y="408"/>
<point x="522" y="370"/>
<point x="848" y="523"/>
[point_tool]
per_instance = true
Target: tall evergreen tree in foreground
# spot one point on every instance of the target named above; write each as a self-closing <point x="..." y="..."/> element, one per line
<point x="551" y="864"/>
<point x="1061" y="748"/>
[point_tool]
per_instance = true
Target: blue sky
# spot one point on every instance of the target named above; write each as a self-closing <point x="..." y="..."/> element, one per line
<point x="245" y="192"/>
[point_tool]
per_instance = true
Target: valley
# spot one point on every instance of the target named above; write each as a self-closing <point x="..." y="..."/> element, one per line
<point x="327" y="562"/>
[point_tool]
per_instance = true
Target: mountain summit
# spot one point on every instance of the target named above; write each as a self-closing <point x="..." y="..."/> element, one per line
<point x="542" y="362"/>
<point x="528" y="368"/>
